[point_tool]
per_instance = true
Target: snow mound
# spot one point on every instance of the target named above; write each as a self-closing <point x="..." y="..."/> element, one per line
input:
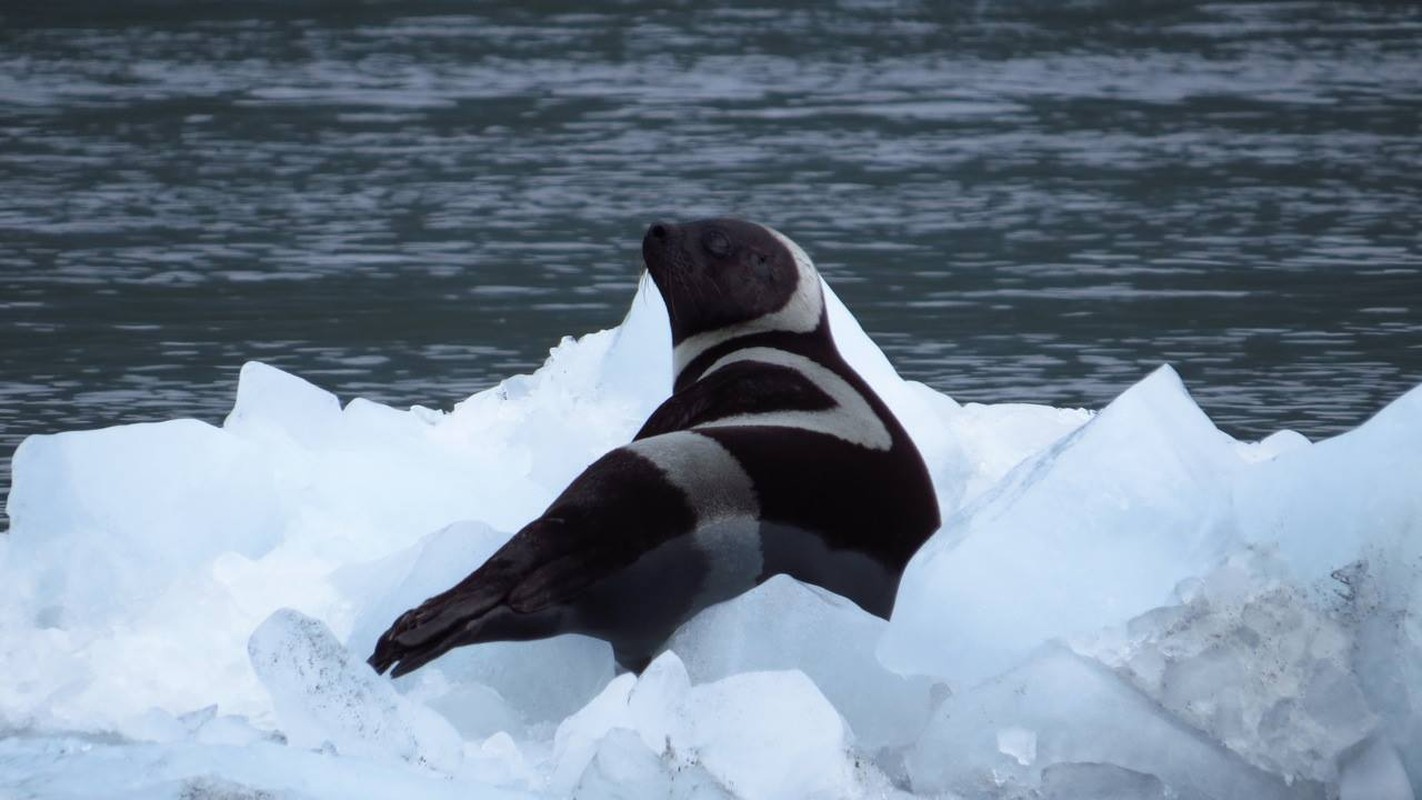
<point x="1125" y="604"/>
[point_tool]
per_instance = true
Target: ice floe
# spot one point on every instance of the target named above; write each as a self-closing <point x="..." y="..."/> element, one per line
<point x="1122" y="604"/>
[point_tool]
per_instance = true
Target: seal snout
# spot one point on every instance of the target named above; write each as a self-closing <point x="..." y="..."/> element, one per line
<point x="658" y="245"/>
<point x="660" y="235"/>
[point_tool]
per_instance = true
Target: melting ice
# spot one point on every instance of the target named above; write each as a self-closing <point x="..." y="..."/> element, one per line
<point x="1129" y="604"/>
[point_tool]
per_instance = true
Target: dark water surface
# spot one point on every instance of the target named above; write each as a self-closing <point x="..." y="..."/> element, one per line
<point x="1022" y="201"/>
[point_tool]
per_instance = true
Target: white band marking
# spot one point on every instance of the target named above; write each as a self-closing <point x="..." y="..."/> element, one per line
<point x="851" y="418"/>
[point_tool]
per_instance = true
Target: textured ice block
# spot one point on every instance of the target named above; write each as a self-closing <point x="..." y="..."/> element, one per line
<point x="324" y="695"/>
<point x="1094" y="531"/>
<point x="1076" y="712"/>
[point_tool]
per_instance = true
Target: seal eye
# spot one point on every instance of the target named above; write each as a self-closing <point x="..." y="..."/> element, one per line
<point x="716" y="244"/>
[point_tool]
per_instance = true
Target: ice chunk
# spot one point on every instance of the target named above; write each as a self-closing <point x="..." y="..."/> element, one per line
<point x="757" y="734"/>
<point x="474" y="709"/>
<point x="204" y="725"/>
<point x="575" y="742"/>
<point x="1251" y="662"/>
<point x="586" y="399"/>
<point x="498" y="761"/>
<point x="784" y="624"/>
<point x="144" y="504"/>
<point x="662" y="688"/>
<point x="1342" y="499"/>
<point x="639" y="357"/>
<point x="383" y="478"/>
<point x="767" y="735"/>
<point x="542" y="681"/>
<point x="931" y="420"/>
<point x="624" y="768"/>
<point x="1372" y="771"/>
<point x="859" y="350"/>
<point x="64" y="768"/>
<point x="228" y="729"/>
<point x="324" y="695"/>
<point x="1271" y="446"/>
<point x="996" y="438"/>
<point x="651" y="707"/>
<point x="282" y="409"/>
<point x="1019" y="743"/>
<point x="154" y="725"/>
<point x="1345" y="514"/>
<point x="1382" y="597"/>
<point x="1090" y="533"/>
<point x="1099" y="782"/>
<point x="359" y="481"/>
<point x="1077" y="712"/>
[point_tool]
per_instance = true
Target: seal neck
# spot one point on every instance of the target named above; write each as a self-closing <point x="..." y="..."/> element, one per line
<point x="804" y="312"/>
<point x="691" y="357"/>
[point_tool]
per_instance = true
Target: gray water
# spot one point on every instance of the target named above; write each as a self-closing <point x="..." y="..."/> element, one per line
<point x="1021" y="201"/>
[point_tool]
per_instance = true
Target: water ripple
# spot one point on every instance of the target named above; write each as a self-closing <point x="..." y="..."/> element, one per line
<point x="1022" y="201"/>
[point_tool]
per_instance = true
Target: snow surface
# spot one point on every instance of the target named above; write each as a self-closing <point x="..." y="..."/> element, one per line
<point x="1129" y="604"/>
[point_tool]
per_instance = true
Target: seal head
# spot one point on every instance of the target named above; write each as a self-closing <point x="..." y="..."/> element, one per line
<point x="726" y="278"/>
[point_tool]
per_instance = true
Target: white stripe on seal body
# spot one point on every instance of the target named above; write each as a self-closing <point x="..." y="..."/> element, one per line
<point x="851" y="419"/>
<point x="723" y="498"/>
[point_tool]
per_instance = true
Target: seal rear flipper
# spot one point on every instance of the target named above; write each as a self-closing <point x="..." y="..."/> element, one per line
<point x="460" y="615"/>
<point x="563" y="579"/>
<point x="439" y="624"/>
<point x="405" y="658"/>
<point x="520" y="593"/>
<point x="499" y="624"/>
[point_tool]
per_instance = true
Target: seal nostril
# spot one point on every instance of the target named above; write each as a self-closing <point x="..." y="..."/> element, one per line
<point x="657" y="231"/>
